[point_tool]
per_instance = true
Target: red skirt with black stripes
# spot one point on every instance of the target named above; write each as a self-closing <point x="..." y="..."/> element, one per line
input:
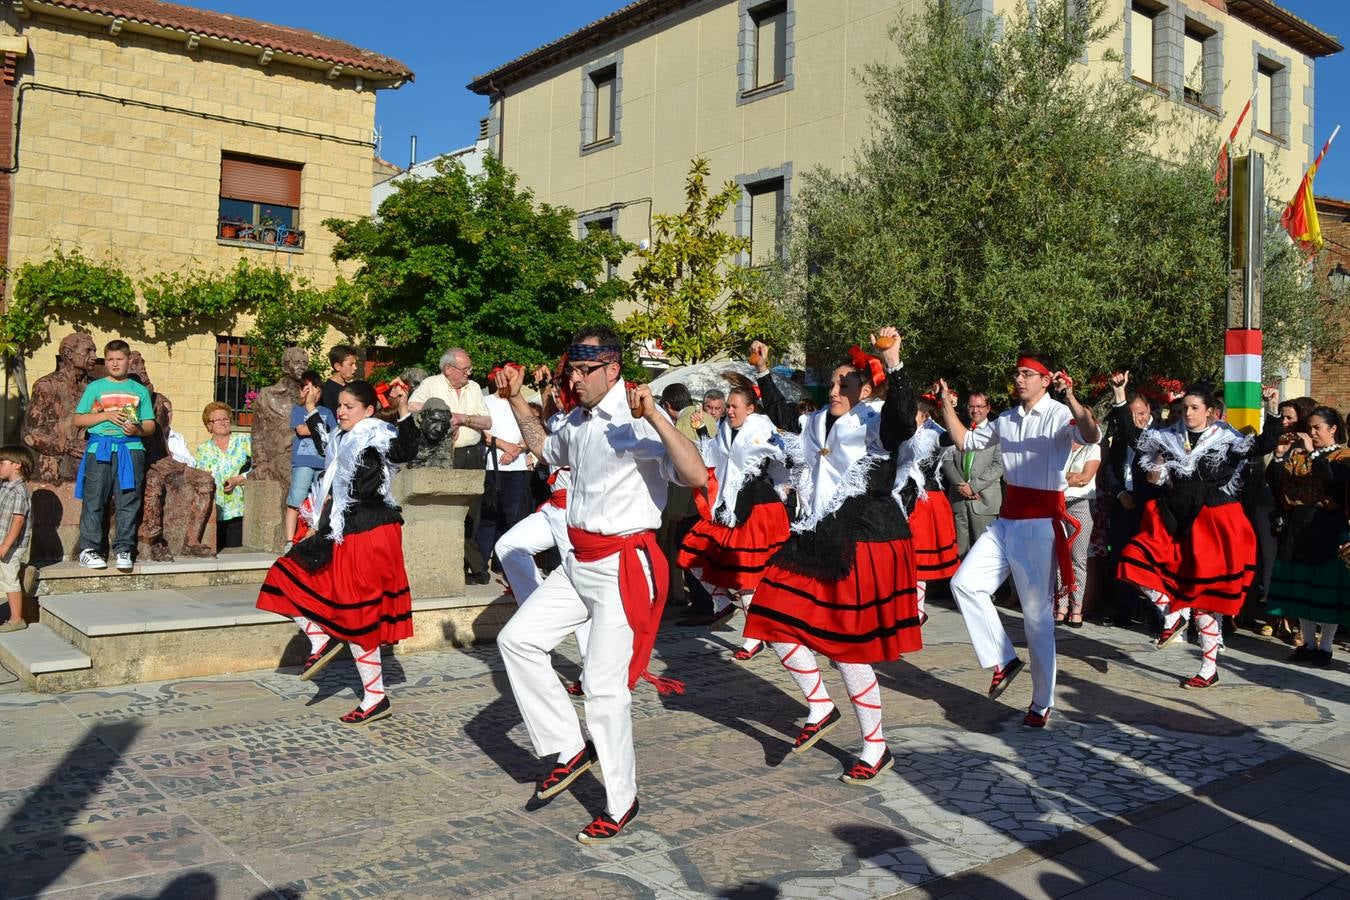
<point x="1210" y="568"/>
<point x="934" y="528"/>
<point x="870" y="615"/>
<point x="361" y="597"/>
<point x="735" y="558"/>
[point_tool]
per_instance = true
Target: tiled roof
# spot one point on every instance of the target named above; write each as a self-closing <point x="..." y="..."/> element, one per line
<point x="622" y="20"/>
<point x="1264" y="14"/>
<point x="250" y="32"/>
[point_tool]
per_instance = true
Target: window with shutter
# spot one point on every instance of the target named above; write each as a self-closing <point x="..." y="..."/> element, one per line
<point x="1265" y="98"/>
<point x="260" y="200"/>
<point x="766" y="222"/>
<point x="770" y="44"/>
<point x="1141" y="42"/>
<point x="604" y="104"/>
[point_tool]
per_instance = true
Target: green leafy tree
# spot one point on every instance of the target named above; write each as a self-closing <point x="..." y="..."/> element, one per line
<point x="692" y="293"/>
<point x="454" y="260"/>
<point x="1006" y="201"/>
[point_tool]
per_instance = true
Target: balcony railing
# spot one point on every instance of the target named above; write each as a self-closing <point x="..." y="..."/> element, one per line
<point x="265" y="235"/>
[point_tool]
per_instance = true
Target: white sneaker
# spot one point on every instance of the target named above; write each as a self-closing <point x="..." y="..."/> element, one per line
<point x="124" y="563"/>
<point x="89" y="559"/>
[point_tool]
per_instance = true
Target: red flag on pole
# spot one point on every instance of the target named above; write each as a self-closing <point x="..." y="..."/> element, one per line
<point x="1221" y="172"/>
<point x="1300" y="216"/>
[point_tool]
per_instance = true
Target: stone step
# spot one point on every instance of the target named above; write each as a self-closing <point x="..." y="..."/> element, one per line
<point x="154" y="634"/>
<point x="158" y="609"/>
<point x="229" y="568"/>
<point x="38" y="651"/>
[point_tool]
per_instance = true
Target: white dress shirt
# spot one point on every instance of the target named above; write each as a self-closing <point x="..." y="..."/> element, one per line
<point x="619" y="467"/>
<point x="467" y="400"/>
<point x="1034" y="444"/>
<point x="505" y="428"/>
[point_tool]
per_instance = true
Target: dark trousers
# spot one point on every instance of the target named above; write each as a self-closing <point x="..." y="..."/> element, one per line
<point x="100" y="481"/>
<point x="475" y="562"/>
<point x="1124" y="525"/>
<point x="506" y="498"/>
<point x="229" y="533"/>
<point x="700" y="601"/>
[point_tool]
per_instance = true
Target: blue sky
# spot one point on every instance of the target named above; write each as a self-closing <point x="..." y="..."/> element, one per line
<point x="449" y="42"/>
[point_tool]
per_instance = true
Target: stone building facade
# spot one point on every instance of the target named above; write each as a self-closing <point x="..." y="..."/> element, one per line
<point x="140" y="130"/>
<point x="606" y="119"/>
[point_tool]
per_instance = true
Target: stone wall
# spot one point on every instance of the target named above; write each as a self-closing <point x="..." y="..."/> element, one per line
<point x="141" y="185"/>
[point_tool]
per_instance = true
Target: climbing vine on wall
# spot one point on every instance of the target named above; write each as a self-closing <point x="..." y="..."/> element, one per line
<point x="287" y="309"/>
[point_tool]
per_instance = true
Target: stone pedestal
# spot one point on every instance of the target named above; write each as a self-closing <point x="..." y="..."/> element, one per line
<point x="264" y="515"/>
<point x="435" y="502"/>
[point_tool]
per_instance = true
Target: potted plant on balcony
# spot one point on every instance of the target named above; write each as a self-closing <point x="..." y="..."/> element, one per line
<point x="267" y="229"/>
<point x="230" y="228"/>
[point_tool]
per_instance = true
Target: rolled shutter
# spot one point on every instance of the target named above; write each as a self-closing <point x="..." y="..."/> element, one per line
<point x="256" y="180"/>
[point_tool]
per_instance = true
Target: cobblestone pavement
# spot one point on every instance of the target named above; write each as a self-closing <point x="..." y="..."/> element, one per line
<point x="247" y="786"/>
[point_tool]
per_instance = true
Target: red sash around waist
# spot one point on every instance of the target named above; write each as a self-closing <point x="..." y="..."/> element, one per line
<point x="642" y="610"/>
<point x="1032" y="503"/>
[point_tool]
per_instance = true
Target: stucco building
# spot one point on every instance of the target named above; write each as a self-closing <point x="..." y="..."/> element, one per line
<point x="166" y="138"/>
<point x="606" y="119"/>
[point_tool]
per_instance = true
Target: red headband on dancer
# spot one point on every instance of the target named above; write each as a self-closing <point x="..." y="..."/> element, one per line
<point x="866" y="362"/>
<point x="1036" y="366"/>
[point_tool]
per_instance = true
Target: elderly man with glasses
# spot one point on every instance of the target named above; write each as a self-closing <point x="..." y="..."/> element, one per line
<point x="469" y="419"/>
<point x="973" y="479"/>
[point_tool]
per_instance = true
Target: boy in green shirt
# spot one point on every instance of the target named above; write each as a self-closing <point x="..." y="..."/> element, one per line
<point x="117" y="413"/>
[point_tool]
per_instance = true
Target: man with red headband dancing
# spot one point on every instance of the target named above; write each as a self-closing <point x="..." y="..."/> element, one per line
<point x="1033" y="532"/>
<point x="623" y="450"/>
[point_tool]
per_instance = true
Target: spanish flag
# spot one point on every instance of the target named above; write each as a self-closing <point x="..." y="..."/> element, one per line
<point x="1300" y="216"/>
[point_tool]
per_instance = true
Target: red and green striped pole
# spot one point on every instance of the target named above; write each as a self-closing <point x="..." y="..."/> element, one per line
<point x="1242" y="378"/>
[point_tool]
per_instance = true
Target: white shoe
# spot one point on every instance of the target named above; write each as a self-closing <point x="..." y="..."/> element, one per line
<point x="124" y="563"/>
<point x="89" y="559"/>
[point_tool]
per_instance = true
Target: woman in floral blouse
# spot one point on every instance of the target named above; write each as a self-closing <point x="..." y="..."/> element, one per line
<point x="226" y="456"/>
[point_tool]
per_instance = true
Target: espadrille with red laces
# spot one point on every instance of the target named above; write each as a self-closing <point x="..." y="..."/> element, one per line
<point x="361" y="716"/>
<point x="745" y="654"/>
<point x="1034" y="719"/>
<point x="604" y="828"/>
<point x="315" y="662"/>
<point x="1196" y="681"/>
<point x="1003" y="676"/>
<point x="814" y="731"/>
<point x="861" y="772"/>
<point x="564" y="774"/>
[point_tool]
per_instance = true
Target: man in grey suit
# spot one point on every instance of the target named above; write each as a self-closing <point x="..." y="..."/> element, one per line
<point x="973" y="479"/>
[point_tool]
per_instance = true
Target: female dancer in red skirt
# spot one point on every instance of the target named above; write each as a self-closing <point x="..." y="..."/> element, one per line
<point x="745" y="521"/>
<point x="931" y="520"/>
<point x="1195" y="548"/>
<point x="843" y="584"/>
<point x="345" y="581"/>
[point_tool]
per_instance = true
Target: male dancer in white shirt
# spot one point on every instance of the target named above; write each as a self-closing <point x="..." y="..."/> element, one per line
<point x="1033" y="530"/>
<point x="622" y="450"/>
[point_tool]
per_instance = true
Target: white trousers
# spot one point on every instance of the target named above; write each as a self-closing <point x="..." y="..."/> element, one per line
<point x="573" y="594"/>
<point x="547" y="527"/>
<point x="1026" y="548"/>
<point x="533" y="534"/>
